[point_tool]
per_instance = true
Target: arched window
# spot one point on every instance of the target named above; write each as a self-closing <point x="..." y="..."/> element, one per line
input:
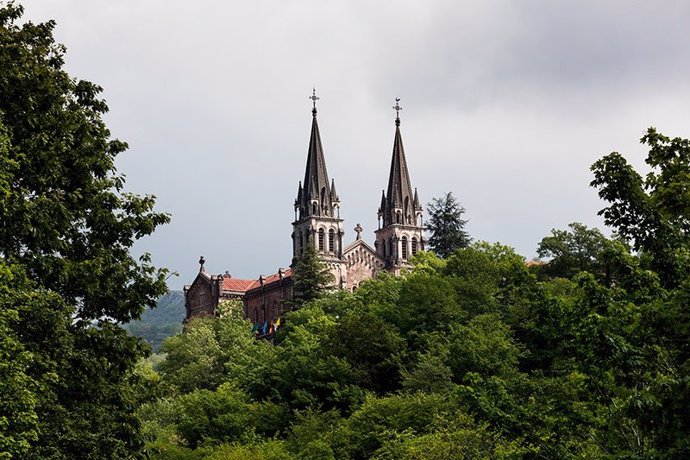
<point x="397" y="217"/>
<point x="301" y="242"/>
<point x="314" y="208"/>
<point x="331" y="240"/>
<point x="390" y="248"/>
<point x="322" y="237"/>
<point x="414" y="246"/>
<point x="383" y="246"/>
<point x="404" y="247"/>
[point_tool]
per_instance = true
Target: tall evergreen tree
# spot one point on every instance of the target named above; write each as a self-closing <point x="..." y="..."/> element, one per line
<point x="447" y="225"/>
<point x="66" y="229"/>
<point x="311" y="276"/>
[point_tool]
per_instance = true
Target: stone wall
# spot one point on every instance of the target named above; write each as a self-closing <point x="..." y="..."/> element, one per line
<point x="267" y="302"/>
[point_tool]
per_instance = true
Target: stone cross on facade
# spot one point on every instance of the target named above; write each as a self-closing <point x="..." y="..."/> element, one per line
<point x="358" y="230"/>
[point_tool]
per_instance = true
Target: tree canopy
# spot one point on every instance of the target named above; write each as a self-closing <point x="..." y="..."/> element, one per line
<point x="446" y="225"/>
<point x="68" y="278"/>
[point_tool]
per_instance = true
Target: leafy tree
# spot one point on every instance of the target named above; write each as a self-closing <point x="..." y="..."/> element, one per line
<point x="212" y="351"/>
<point x="572" y="251"/>
<point x="429" y="374"/>
<point x="483" y="346"/>
<point x="311" y="277"/>
<point x="447" y="225"/>
<point x="304" y="374"/>
<point x="653" y="213"/>
<point x="68" y="224"/>
<point x="371" y="347"/>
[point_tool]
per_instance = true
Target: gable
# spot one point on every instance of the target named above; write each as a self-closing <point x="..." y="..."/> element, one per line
<point x="361" y="263"/>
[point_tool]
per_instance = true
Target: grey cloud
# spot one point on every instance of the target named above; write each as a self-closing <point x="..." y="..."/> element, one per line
<point x="505" y="103"/>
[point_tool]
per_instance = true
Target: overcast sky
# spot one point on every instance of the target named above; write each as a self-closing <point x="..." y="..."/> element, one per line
<point x="505" y="103"/>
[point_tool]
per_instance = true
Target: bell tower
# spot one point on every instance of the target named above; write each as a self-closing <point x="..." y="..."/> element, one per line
<point x="400" y="234"/>
<point x="317" y="208"/>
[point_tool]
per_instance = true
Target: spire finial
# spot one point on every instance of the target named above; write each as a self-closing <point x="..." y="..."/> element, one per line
<point x="313" y="98"/>
<point x="397" y="111"/>
<point x="202" y="261"/>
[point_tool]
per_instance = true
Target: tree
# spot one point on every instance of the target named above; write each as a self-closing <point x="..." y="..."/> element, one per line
<point x="311" y="277"/>
<point x="446" y="225"/>
<point x="214" y="350"/>
<point x="652" y="213"/>
<point x="572" y="251"/>
<point x="67" y="224"/>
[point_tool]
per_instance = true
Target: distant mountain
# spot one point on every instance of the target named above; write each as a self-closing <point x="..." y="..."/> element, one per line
<point x="163" y="321"/>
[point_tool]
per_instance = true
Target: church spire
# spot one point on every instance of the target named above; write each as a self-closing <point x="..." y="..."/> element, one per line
<point x="402" y="234"/>
<point x="398" y="206"/>
<point x="316" y="198"/>
<point x="317" y="209"/>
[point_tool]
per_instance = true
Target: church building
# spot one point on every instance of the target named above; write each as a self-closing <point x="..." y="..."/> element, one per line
<point x="317" y="222"/>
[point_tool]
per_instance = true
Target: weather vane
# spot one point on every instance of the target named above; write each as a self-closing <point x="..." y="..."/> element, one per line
<point x="313" y="100"/>
<point x="397" y="110"/>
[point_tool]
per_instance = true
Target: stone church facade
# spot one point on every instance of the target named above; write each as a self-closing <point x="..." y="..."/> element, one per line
<point x="317" y="222"/>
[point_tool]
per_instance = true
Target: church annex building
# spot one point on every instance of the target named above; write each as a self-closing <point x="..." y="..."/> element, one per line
<point x="318" y="222"/>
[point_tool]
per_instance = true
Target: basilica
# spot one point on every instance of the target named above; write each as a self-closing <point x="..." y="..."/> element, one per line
<point x="317" y="222"/>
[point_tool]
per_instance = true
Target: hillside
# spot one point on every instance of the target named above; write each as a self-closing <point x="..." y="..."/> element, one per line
<point x="156" y="324"/>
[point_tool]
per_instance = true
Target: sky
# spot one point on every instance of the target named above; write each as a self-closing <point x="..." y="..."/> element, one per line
<point x="506" y="104"/>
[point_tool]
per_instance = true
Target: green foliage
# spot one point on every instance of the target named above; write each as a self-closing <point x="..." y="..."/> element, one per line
<point x="311" y="277"/>
<point x="213" y="351"/>
<point x="446" y="225"/>
<point x="223" y="415"/>
<point x="18" y="417"/>
<point x="652" y="212"/>
<point x="66" y="224"/>
<point x="484" y="346"/>
<point x="579" y="249"/>
<point x="370" y="346"/>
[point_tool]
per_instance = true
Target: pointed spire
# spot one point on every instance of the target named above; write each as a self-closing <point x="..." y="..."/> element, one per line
<point x="382" y="206"/>
<point x="316" y="192"/>
<point x="417" y="206"/>
<point x="334" y="194"/>
<point x="399" y="198"/>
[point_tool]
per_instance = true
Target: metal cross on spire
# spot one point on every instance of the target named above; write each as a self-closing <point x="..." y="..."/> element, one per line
<point x="397" y="111"/>
<point x="313" y="98"/>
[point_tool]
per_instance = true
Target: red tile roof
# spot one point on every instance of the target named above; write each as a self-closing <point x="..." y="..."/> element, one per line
<point x="236" y="284"/>
<point x="240" y="285"/>
<point x="270" y="279"/>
